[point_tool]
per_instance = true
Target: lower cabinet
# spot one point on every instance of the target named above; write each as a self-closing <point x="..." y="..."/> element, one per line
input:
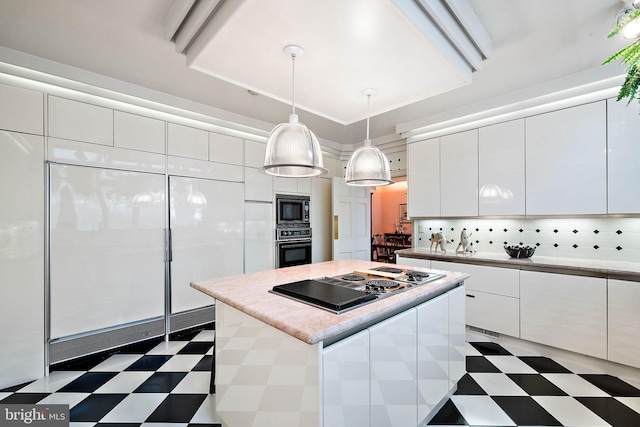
<point x="568" y="312"/>
<point x="624" y="322"/>
<point x="413" y="262"/>
<point x="396" y="372"/>
<point x="492" y="296"/>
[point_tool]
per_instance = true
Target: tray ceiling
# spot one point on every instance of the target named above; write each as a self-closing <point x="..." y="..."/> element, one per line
<point x="407" y="50"/>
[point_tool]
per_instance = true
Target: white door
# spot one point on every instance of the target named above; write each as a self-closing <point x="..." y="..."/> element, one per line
<point x="206" y="218"/>
<point x="351" y="221"/>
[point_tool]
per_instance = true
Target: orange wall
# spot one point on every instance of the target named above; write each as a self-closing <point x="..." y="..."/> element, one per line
<point x="385" y="208"/>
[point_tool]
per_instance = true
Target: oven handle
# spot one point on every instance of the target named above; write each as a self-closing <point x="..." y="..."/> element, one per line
<point x="294" y="243"/>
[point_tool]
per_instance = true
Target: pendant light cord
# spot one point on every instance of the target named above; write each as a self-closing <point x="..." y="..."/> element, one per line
<point x="293" y="83"/>
<point x="368" y="113"/>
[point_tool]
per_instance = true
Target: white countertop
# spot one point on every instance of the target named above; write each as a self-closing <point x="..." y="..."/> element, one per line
<point x="610" y="269"/>
<point x="250" y="294"/>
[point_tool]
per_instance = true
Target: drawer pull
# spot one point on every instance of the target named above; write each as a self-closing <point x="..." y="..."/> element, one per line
<point x="470" y="296"/>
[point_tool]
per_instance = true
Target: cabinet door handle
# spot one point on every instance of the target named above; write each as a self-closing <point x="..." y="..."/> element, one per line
<point x="335" y="227"/>
<point x="470" y="296"/>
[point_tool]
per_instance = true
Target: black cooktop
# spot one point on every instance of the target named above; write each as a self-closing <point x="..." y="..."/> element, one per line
<point x="334" y="298"/>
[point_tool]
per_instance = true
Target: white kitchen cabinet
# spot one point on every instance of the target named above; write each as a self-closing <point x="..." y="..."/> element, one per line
<point x="433" y="353"/>
<point x="623" y="127"/>
<point x="138" y="132"/>
<point x="333" y="165"/>
<point x="107" y="248"/>
<point x="624" y="322"/>
<point x="258" y="186"/>
<point x="568" y="312"/>
<point x="21" y="258"/>
<point x="501" y="186"/>
<point x="21" y="110"/>
<point x="259" y="237"/>
<point x="413" y="262"/>
<point x="225" y="149"/>
<point x="206" y="235"/>
<point x="393" y="371"/>
<point x="345" y="373"/>
<point x="204" y="169"/>
<point x="254" y="153"/>
<point x="423" y="178"/>
<point x="321" y="220"/>
<point x="185" y="141"/>
<point x="457" y="335"/>
<point x="292" y="185"/>
<point x="79" y="121"/>
<point x="492" y="296"/>
<point x="459" y="174"/>
<point x="566" y="161"/>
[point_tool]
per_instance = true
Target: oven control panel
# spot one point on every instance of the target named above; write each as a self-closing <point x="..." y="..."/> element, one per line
<point x="293" y="233"/>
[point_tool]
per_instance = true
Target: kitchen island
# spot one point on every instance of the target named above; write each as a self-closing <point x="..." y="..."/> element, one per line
<point x="282" y="362"/>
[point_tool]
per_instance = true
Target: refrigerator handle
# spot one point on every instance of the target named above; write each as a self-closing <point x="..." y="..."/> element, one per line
<point x="168" y="245"/>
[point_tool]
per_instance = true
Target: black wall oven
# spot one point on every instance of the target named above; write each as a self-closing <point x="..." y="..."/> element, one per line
<point x="293" y="246"/>
<point x="292" y="210"/>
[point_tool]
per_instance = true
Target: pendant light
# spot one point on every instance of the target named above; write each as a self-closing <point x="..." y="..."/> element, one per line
<point x="368" y="166"/>
<point x="292" y="149"/>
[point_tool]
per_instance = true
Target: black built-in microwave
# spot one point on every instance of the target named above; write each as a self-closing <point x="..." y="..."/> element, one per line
<point x="292" y="210"/>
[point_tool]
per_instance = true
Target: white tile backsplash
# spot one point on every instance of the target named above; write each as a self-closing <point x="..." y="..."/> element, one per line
<point x="615" y="239"/>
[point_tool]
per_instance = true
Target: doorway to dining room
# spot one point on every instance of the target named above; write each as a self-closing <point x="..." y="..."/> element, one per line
<point x="389" y="224"/>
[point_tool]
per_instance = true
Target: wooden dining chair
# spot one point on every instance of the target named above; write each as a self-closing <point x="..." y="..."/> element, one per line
<point x="381" y="250"/>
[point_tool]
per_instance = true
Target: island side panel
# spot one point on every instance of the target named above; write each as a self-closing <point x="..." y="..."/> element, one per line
<point x="263" y="375"/>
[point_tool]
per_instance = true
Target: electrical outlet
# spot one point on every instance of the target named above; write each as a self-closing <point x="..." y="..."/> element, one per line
<point x="420" y="229"/>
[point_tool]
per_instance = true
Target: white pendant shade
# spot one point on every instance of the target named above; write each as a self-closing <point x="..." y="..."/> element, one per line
<point x="292" y="149"/>
<point x="368" y="166"/>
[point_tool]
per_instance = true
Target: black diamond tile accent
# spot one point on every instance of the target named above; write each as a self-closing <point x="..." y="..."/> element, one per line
<point x="448" y="415"/>
<point x="525" y="411"/>
<point x="596" y="231"/>
<point x="468" y="386"/>
<point x="505" y="243"/>
<point x="619" y="248"/>
<point x="575" y="246"/>
<point x="612" y="385"/>
<point x="491" y="242"/>
<point x="520" y="243"/>
<point x="177" y="408"/>
<point x="555" y="231"/>
<point x="161" y="382"/>
<point x="148" y="363"/>
<point x="490" y="349"/>
<point x="537" y="230"/>
<point x="505" y="230"/>
<point x="430" y="228"/>
<point x="480" y="364"/>
<point x="536" y="385"/>
<point x="596" y="247"/>
<point x="537" y="244"/>
<point x="555" y="245"/>
<point x="619" y="232"/>
<point x="88" y="382"/>
<point x="521" y="230"/>
<point x="575" y="231"/>
<point x="491" y="229"/>
<point x="477" y="229"/>
<point x="23" y="398"/>
<point x="451" y="228"/>
<point x="477" y="241"/>
<point x="197" y="347"/>
<point x="544" y="365"/>
<point x="611" y="410"/>
<point x="95" y="407"/>
<point x="440" y="228"/>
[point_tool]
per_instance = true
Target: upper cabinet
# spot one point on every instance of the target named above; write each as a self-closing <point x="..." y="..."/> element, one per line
<point x="423" y="176"/>
<point x="624" y="151"/>
<point x="225" y="149"/>
<point x="566" y="162"/>
<point x="21" y="110"/>
<point x="138" y="132"/>
<point x="501" y="169"/>
<point x="184" y="141"/>
<point x="459" y="174"/>
<point x="80" y="121"/>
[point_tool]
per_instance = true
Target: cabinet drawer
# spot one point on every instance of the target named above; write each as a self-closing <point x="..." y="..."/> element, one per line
<point x="184" y="141"/>
<point x="21" y="110"/>
<point x="138" y="132"/>
<point x="493" y="312"/>
<point x="493" y="280"/>
<point x="80" y="122"/>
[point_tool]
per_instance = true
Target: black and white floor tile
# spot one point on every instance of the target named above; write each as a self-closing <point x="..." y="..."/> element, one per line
<point x="159" y="383"/>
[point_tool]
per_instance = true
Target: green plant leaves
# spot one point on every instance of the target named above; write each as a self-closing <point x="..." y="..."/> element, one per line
<point x="629" y="56"/>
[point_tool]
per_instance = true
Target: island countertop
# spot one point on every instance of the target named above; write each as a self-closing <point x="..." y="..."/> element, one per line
<point x="250" y="294"/>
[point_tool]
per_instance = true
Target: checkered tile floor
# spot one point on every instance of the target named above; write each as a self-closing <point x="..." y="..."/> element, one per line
<point x="157" y="383"/>
<point x="514" y="388"/>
